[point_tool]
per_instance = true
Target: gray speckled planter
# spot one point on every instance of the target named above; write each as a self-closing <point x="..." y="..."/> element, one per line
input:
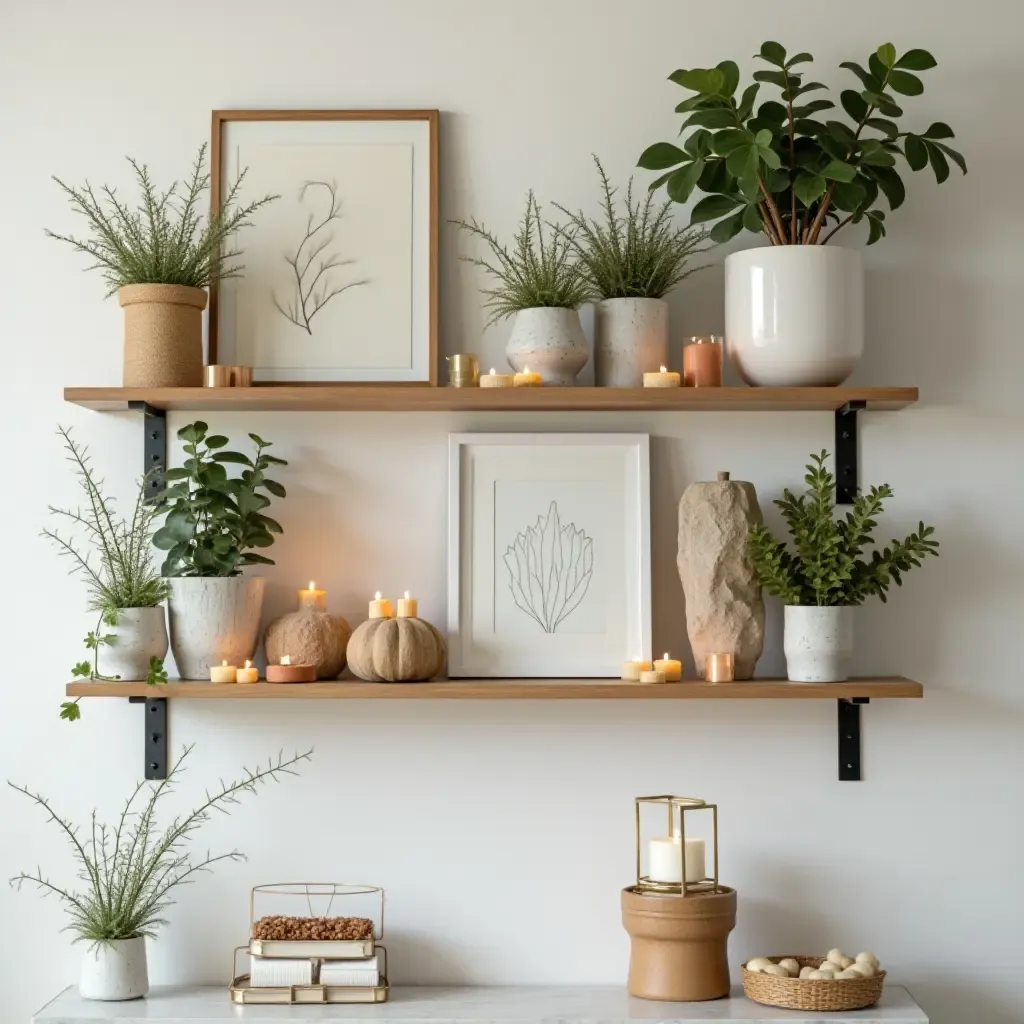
<point x="818" y="643"/>
<point x="630" y="339"/>
<point x="140" y="634"/>
<point x="550" y="341"/>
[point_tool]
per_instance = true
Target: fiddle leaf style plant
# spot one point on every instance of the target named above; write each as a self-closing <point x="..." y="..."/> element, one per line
<point x="131" y="868"/>
<point x="213" y="522"/>
<point x="826" y="567"/>
<point x="638" y="253"/>
<point x="163" y="240"/>
<point x="535" y="272"/>
<point x="781" y="169"/>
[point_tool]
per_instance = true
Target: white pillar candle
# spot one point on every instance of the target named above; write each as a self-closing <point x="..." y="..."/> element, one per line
<point x="408" y="607"/>
<point x="663" y="860"/>
<point x="631" y="669"/>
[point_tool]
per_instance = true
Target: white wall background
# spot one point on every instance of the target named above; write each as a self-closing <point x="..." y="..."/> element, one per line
<point x="503" y="832"/>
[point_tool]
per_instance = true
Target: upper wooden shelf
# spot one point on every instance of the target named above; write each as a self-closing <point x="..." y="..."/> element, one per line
<point x="510" y="689"/>
<point x="419" y="398"/>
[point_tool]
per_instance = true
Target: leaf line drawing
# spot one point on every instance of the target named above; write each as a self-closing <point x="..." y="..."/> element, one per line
<point x="314" y="288"/>
<point x="550" y="567"/>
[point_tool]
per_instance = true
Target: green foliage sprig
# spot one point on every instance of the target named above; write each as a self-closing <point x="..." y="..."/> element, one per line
<point x="638" y="253"/>
<point x="782" y="170"/>
<point x="826" y="567"/>
<point x="536" y="272"/>
<point x="164" y="241"/>
<point x="213" y="521"/>
<point x="130" y="869"/>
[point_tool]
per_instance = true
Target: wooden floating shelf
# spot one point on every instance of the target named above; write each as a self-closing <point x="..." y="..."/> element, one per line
<point x="510" y="689"/>
<point x="421" y="398"/>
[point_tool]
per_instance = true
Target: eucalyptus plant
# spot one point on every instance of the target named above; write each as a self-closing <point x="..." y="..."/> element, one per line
<point x="213" y="521"/>
<point x="782" y="170"/>
<point x="825" y="566"/>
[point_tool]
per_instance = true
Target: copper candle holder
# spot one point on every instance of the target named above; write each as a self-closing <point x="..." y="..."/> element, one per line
<point x="719" y="667"/>
<point x="219" y="375"/>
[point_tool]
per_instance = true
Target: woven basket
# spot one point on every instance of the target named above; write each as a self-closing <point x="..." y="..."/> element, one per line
<point x="808" y="994"/>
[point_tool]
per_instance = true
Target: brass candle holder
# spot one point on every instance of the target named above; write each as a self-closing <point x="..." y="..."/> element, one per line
<point x="676" y="809"/>
<point x="463" y="371"/>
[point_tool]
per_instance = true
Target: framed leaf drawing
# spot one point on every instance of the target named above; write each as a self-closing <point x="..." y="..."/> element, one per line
<point x="340" y="273"/>
<point x="549" y="554"/>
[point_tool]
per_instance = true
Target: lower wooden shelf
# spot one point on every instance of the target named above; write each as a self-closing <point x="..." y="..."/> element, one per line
<point x="510" y="689"/>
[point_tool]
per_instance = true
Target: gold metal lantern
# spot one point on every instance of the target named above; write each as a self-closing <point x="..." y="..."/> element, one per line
<point x="676" y="862"/>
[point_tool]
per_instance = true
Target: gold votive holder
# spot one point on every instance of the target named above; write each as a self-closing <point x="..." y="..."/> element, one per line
<point x="720" y="667"/>
<point x="463" y="371"/>
<point x="220" y="375"/>
<point x="241" y="376"/>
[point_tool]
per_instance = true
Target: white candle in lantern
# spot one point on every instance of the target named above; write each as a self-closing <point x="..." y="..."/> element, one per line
<point x="663" y="860"/>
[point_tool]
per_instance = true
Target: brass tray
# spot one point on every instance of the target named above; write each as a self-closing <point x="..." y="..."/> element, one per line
<point x="243" y="993"/>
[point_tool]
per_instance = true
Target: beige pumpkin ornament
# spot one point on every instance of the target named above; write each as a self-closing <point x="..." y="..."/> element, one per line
<point x="403" y="650"/>
<point x="309" y="636"/>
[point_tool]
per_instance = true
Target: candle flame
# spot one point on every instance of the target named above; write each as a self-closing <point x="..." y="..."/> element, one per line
<point x="285" y="659"/>
<point x="248" y="663"/>
<point x="224" y="663"/>
<point x="526" y="369"/>
<point x="407" y="595"/>
<point x="664" y="369"/>
<point x="492" y="371"/>
<point x="376" y="596"/>
<point x="665" y="656"/>
<point x="312" y="585"/>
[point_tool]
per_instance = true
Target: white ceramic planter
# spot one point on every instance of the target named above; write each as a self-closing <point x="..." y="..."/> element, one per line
<point x="630" y="338"/>
<point x="818" y="643"/>
<point x="115" y="970"/>
<point x="550" y="341"/>
<point x="213" y="619"/>
<point x="794" y="314"/>
<point x="140" y="634"/>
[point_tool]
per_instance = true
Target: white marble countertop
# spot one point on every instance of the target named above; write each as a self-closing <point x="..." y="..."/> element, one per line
<point x="582" y="1004"/>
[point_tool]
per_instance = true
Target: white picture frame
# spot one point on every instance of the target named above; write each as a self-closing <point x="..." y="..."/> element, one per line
<point x="510" y="497"/>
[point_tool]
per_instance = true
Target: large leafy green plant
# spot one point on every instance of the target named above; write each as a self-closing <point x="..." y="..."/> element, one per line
<point x="215" y="521"/>
<point x="782" y="170"/>
<point x="826" y="567"/>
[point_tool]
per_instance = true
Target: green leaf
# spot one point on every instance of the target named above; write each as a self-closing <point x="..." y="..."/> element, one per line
<point x="868" y="80"/>
<point x="677" y="75"/>
<point x="841" y="133"/>
<point x="873" y="154"/>
<point x="742" y="162"/>
<point x="876" y="229"/>
<point x="915" y="152"/>
<point x="82" y="670"/>
<point x="216" y="441"/>
<point x="659" y="181"/>
<point x="777" y="180"/>
<point x="236" y="458"/>
<point x="880" y="124"/>
<point x="779" y="78"/>
<point x="848" y="196"/>
<point x="888" y="107"/>
<point x="746" y="104"/>
<point x="712" y="207"/>
<point x="800" y="58"/>
<point x="773" y="112"/>
<point x="905" y="83"/>
<point x="763" y="138"/>
<point x="916" y="60"/>
<point x="769" y="157"/>
<point x="716" y="178"/>
<point x="839" y="171"/>
<point x="809" y="187"/>
<point x="891" y="184"/>
<point x="808" y="87"/>
<point x="808" y="126"/>
<point x="774" y="53"/>
<point x="690" y="103"/>
<point x="728" y="228"/>
<point x="953" y="155"/>
<point x="681" y="183"/>
<point x="70" y="711"/>
<point x="752" y="218"/>
<point x="806" y="109"/>
<point x="853" y="103"/>
<point x="939" y="163"/>
<point x="877" y="68"/>
<point x="730" y="77"/>
<point x="275" y="488"/>
<point x="176" y="474"/>
<point x="887" y="54"/>
<point x="938" y="130"/>
<point x="702" y="80"/>
<point x="252" y="558"/>
<point x="728" y="139"/>
<point x="698" y="144"/>
<point x="714" y="117"/>
<point x="257" y="440"/>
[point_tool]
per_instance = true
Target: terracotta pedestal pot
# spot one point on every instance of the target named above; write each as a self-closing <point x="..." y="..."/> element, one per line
<point x="678" y="945"/>
<point x="163" y="335"/>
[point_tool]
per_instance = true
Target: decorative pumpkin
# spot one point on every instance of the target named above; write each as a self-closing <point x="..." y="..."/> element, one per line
<point x="309" y="636"/>
<point x="403" y="650"/>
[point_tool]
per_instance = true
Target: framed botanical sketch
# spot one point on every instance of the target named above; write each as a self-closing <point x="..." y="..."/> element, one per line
<point x="549" y="554"/>
<point x="340" y="273"/>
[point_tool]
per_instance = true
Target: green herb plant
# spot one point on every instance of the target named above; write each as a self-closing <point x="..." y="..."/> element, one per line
<point x="94" y="640"/>
<point x="535" y="272"/>
<point x="164" y="240"/>
<point x="782" y="170"/>
<point x="826" y="567"/>
<point x="638" y="253"/>
<point x="213" y="521"/>
<point x="131" y="869"/>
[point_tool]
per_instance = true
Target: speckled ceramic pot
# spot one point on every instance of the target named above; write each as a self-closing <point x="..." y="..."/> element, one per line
<point x="818" y="643"/>
<point x="630" y="339"/>
<point x="139" y="634"/>
<point x="115" y="970"/>
<point x="550" y="341"/>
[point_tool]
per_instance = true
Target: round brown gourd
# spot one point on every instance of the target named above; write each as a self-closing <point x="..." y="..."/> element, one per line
<point x="404" y="650"/>
<point x="309" y="636"/>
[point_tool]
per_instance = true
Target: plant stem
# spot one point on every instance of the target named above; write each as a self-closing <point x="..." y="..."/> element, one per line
<point x="842" y="223"/>
<point x="792" y="161"/>
<point x="776" y="217"/>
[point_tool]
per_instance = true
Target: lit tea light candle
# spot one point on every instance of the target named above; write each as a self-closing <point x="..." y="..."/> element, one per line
<point x="664" y="378"/>
<point x="652" y="676"/>
<point x="223" y="673"/>
<point x="313" y="598"/>
<point x="719" y="668"/>
<point x="286" y="672"/>
<point x="380" y="607"/>
<point x="408" y="607"/>
<point x="249" y="674"/>
<point x="672" y="668"/>
<point x="665" y="860"/>
<point x="525" y="379"/>
<point x="631" y="669"/>
<point x="493" y="379"/>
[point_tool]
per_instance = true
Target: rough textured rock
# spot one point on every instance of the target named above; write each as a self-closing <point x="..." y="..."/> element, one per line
<point x="724" y="609"/>
<point x="310" y="637"/>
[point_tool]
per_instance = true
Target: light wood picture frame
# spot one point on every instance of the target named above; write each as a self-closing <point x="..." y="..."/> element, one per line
<point x="339" y="284"/>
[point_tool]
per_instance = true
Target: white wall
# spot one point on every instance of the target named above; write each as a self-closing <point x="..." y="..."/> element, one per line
<point x="503" y="832"/>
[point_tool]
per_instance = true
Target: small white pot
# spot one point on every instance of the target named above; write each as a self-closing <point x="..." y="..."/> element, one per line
<point x="550" y="341"/>
<point x="213" y="619"/>
<point x="115" y="970"/>
<point x="140" y="634"/>
<point x="818" y="643"/>
<point x="794" y="314"/>
<point x="630" y="338"/>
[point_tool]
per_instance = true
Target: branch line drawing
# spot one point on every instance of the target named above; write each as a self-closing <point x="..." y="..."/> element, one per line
<point x="307" y="300"/>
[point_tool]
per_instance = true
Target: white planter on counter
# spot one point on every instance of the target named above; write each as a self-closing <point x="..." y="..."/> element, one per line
<point x="138" y="635"/>
<point x="548" y="340"/>
<point x="818" y="642"/>
<point x="630" y="339"/>
<point x="794" y="314"/>
<point x="115" y="970"/>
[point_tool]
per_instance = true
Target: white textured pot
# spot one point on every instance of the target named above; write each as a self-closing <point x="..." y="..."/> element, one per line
<point x="213" y="619"/>
<point x="115" y="970"/>
<point x="140" y="634"/>
<point x="794" y="314"/>
<point x="550" y="341"/>
<point x="630" y="338"/>
<point x="818" y="643"/>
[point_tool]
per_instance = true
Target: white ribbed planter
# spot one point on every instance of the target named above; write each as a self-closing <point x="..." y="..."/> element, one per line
<point x="140" y="634"/>
<point x="115" y="970"/>
<point x="818" y="643"/>
<point x="794" y="314"/>
<point x="630" y="339"/>
<point x="550" y="341"/>
<point x="213" y="619"/>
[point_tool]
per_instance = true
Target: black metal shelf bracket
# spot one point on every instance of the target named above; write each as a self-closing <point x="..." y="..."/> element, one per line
<point x="846" y="452"/>
<point x="849" y="738"/>
<point x="155" y="730"/>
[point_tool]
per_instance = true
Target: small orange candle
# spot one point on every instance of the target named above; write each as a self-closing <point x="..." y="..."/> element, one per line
<point x="526" y="379"/>
<point x="286" y="672"/>
<point x="313" y="598"/>
<point x="223" y="673"/>
<point x="702" y="362"/>
<point x="380" y="607"/>
<point x="408" y="607"/>
<point x="249" y="674"/>
<point x="672" y="668"/>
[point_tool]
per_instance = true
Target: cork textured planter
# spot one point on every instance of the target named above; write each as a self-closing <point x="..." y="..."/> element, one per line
<point x="163" y="335"/>
<point x="678" y="946"/>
